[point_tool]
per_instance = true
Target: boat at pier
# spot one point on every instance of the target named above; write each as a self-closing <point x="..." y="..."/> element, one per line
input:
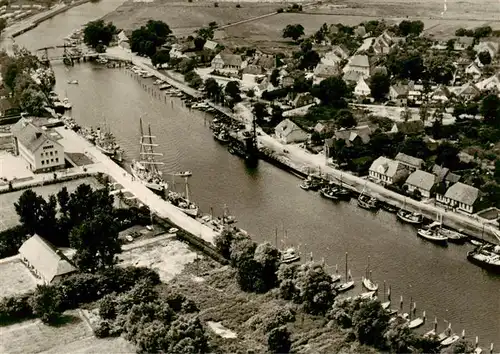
<point x="410" y="217"/>
<point x="183" y="174"/>
<point x="183" y="204"/>
<point x="454" y="236"/>
<point x="348" y="283"/>
<point x="367" y="202"/>
<point x="312" y="182"/>
<point x="146" y="169"/>
<point x="388" y="207"/>
<point x="432" y="233"/>
<point x="485" y="258"/>
<point x="336" y="277"/>
<point x="73" y="82"/>
<point x="105" y="142"/>
<point x="418" y="321"/>
<point x="369" y="284"/>
<point x="328" y="193"/>
<point x="222" y="136"/>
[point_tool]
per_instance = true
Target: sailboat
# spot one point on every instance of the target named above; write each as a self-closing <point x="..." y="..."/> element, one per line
<point x="288" y="254"/>
<point x="367" y="202"/>
<point x="146" y="169"/>
<point x="386" y="304"/>
<point x="348" y="283"/>
<point x="182" y="202"/>
<point x="65" y="102"/>
<point x="432" y="233"/>
<point x="336" y="277"/>
<point x="369" y="284"/>
<point x="417" y="321"/>
<point x="342" y="192"/>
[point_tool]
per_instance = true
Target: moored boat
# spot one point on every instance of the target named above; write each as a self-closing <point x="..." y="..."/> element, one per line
<point x="328" y="193"/>
<point x="184" y="174"/>
<point x="389" y="208"/>
<point x="431" y="233"/>
<point x="367" y="202"/>
<point x="450" y="340"/>
<point x="369" y="285"/>
<point x="289" y="255"/>
<point x="222" y="136"/>
<point x="454" y="236"/>
<point x="485" y="259"/>
<point x="410" y="217"/>
<point x="73" y="82"/>
<point x="345" y="286"/>
<point x="417" y="322"/>
<point x="183" y="204"/>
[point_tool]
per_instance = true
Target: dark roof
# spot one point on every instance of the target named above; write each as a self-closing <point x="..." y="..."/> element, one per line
<point x="409" y="160"/>
<point x="462" y="193"/>
<point x="421" y="179"/>
<point x="440" y="172"/>
<point x="410" y="127"/>
<point x="46" y="259"/>
<point x="452" y="177"/>
<point x="231" y="59"/>
<point x="29" y="135"/>
<point x="349" y="135"/>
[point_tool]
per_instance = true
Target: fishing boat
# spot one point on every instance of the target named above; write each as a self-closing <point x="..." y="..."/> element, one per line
<point x="342" y="192"/>
<point x="431" y="233"/>
<point x="146" y="170"/>
<point x="289" y="255"/>
<point x="454" y="236"/>
<point x="105" y="142"/>
<point x="66" y="104"/>
<point x="484" y="258"/>
<point x="328" y="193"/>
<point x="367" y="202"/>
<point x="450" y="340"/>
<point x="182" y="202"/>
<point x="184" y="174"/>
<point x="222" y="136"/>
<point x="409" y="217"/>
<point x="73" y="82"/>
<point x="311" y="183"/>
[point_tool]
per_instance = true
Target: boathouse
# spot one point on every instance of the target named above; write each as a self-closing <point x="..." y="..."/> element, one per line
<point x="40" y="150"/>
<point x="44" y="260"/>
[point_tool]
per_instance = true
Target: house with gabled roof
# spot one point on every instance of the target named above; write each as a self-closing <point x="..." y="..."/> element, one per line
<point x="40" y="150"/>
<point x="399" y="93"/>
<point x="210" y="45"/>
<point x="462" y="43"/>
<point x="225" y="61"/>
<point x="387" y="171"/>
<point x="288" y="132"/>
<point x="460" y="197"/>
<point x="362" y="89"/>
<point x="473" y="70"/>
<point x="358" y="63"/>
<point x="331" y="58"/>
<point x="421" y="181"/>
<point x="323" y="71"/>
<point x="492" y="83"/>
<point x="44" y="260"/>
<point x="468" y="91"/>
<point x="412" y="163"/>
<point x="441" y="94"/>
<point x="340" y="51"/>
<point x="352" y="77"/>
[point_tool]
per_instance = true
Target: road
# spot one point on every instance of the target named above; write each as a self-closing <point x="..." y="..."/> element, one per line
<point x="160" y="207"/>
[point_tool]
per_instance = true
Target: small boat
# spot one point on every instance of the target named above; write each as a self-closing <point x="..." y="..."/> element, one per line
<point x="369" y="285"/>
<point x="336" y="277"/>
<point x="431" y="233"/>
<point x="368" y="295"/>
<point x="183" y="203"/>
<point x="328" y="193"/>
<point x="409" y="217"/>
<point x="476" y="243"/>
<point x="289" y="256"/>
<point x="485" y="259"/>
<point x="158" y="82"/>
<point x="305" y="185"/>
<point x="222" y="137"/>
<point x="73" y="82"/>
<point x="367" y="202"/>
<point x="454" y="236"/>
<point x="164" y="87"/>
<point x="345" y="286"/>
<point x="386" y="305"/>
<point x="415" y="323"/>
<point x="184" y="174"/>
<point x="450" y="340"/>
<point x="389" y="208"/>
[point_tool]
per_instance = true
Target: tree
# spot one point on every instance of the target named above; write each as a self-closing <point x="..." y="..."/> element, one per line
<point x="159" y="28"/>
<point x="310" y="59"/>
<point x="293" y="31"/>
<point x="233" y="90"/>
<point x="29" y="209"/>
<point x="276" y="115"/>
<point x="481" y="32"/>
<point x="96" y="243"/>
<point x="446" y="155"/>
<point x="274" y="79"/>
<point x="332" y="91"/>
<point x="206" y="33"/>
<point x="33" y="102"/>
<point x="186" y="335"/>
<point x="46" y="302"/>
<point x="3" y="24"/>
<point x="223" y="242"/>
<point x="345" y="119"/>
<point x="410" y="27"/>
<point x="97" y="32"/>
<point x="259" y="111"/>
<point x="314" y="289"/>
<point x="484" y="57"/>
<point x="146" y="39"/>
<point x="399" y="338"/>
<point x="160" y="57"/>
<point x="199" y="42"/>
<point x="212" y="88"/>
<point x="490" y="108"/>
<point x="48" y="227"/>
<point x="379" y="86"/>
<point x="278" y="340"/>
<point x="193" y="79"/>
<point x="268" y="258"/>
<point x="370" y="323"/>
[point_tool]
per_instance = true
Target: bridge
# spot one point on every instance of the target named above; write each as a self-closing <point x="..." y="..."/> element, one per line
<point x="67" y="53"/>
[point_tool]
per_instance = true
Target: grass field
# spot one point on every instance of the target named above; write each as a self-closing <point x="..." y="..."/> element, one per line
<point x="72" y="336"/>
<point x="8" y="216"/>
<point x="184" y="18"/>
<point x="15" y="278"/>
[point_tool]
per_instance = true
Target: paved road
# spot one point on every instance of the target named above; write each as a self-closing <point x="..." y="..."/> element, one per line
<point x="137" y="188"/>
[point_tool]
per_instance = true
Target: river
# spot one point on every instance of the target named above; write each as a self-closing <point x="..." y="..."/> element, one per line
<point x="440" y="280"/>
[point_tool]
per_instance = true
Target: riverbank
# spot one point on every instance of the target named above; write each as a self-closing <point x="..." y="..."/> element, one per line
<point x="300" y="160"/>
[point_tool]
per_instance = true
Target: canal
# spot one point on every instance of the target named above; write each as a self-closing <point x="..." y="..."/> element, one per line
<point x="440" y="280"/>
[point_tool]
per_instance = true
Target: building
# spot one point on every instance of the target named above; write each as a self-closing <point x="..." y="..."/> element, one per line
<point x="288" y="132"/>
<point x="411" y="127"/>
<point x="352" y="77"/>
<point x="123" y="40"/>
<point x="354" y="136"/>
<point x="210" y="45"/>
<point x="44" y="260"/>
<point x="487" y="46"/>
<point x="387" y="171"/>
<point x="460" y="197"/>
<point x="41" y="151"/>
<point x="421" y="181"/>
<point x="473" y="70"/>
<point x="441" y="94"/>
<point x="399" y="94"/>
<point x="412" y="163"/>
<point x="468" y="91"/>
<point x="462" y="43"/>
<point x="323" y="71"/>
<point x="302" y="99"/>
<point x="358" y="63"/>
<point x="362" y="89"/>
<point x="223" y="61"/>
<point x="492" y="83"/>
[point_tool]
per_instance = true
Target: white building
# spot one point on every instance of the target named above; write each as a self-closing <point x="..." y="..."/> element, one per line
<point x="387" y="171"/>
<point x="289" y="132"/>
<point x="460" y="197"/>
<point x="362" y="89"/>
<point x="360" y="64"/>
<point x="42" y="152"/>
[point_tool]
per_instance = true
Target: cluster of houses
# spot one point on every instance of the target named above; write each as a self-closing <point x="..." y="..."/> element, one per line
<point x="442" y="183"/>
<point x="17" y="12"/>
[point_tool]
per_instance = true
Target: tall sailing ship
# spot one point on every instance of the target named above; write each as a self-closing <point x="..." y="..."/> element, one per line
<point x="146" y="169"/>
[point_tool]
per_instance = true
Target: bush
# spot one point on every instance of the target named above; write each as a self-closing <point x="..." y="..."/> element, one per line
<point x="278" y="340"/>
<point x="46" y="303"/>
<point x="11" y="239"/>
<point x="103" y="330"/>
<point x="15" y="308"/>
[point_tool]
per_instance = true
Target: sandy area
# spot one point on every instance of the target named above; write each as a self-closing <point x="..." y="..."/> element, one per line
<point x="168" y="257"/>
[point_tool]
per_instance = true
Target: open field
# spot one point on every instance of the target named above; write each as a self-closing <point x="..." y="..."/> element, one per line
<point x="217" y="294"/>
<point x="16" y="279"/>
<point x="184" y="18"/>
<point x="8" y="216"/>
<point x="73" y="336"/>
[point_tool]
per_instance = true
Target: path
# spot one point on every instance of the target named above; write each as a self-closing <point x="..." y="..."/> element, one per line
<point x="160" y="207"/>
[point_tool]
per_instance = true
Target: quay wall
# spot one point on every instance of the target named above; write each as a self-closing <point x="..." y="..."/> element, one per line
<point x="29" y="182"/>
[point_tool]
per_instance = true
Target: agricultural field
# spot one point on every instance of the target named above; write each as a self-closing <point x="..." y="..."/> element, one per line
<point x="16" y="279"/>
<point x="8" y="216"/>
<point x="184" y="18"/>
<point x="72" y="335"/>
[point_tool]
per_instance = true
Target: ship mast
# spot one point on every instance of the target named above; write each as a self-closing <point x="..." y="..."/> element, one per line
<point x="147" y="152"/>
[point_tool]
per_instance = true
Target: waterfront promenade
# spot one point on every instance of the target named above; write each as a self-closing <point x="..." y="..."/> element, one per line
<point x="104" y="164"/>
